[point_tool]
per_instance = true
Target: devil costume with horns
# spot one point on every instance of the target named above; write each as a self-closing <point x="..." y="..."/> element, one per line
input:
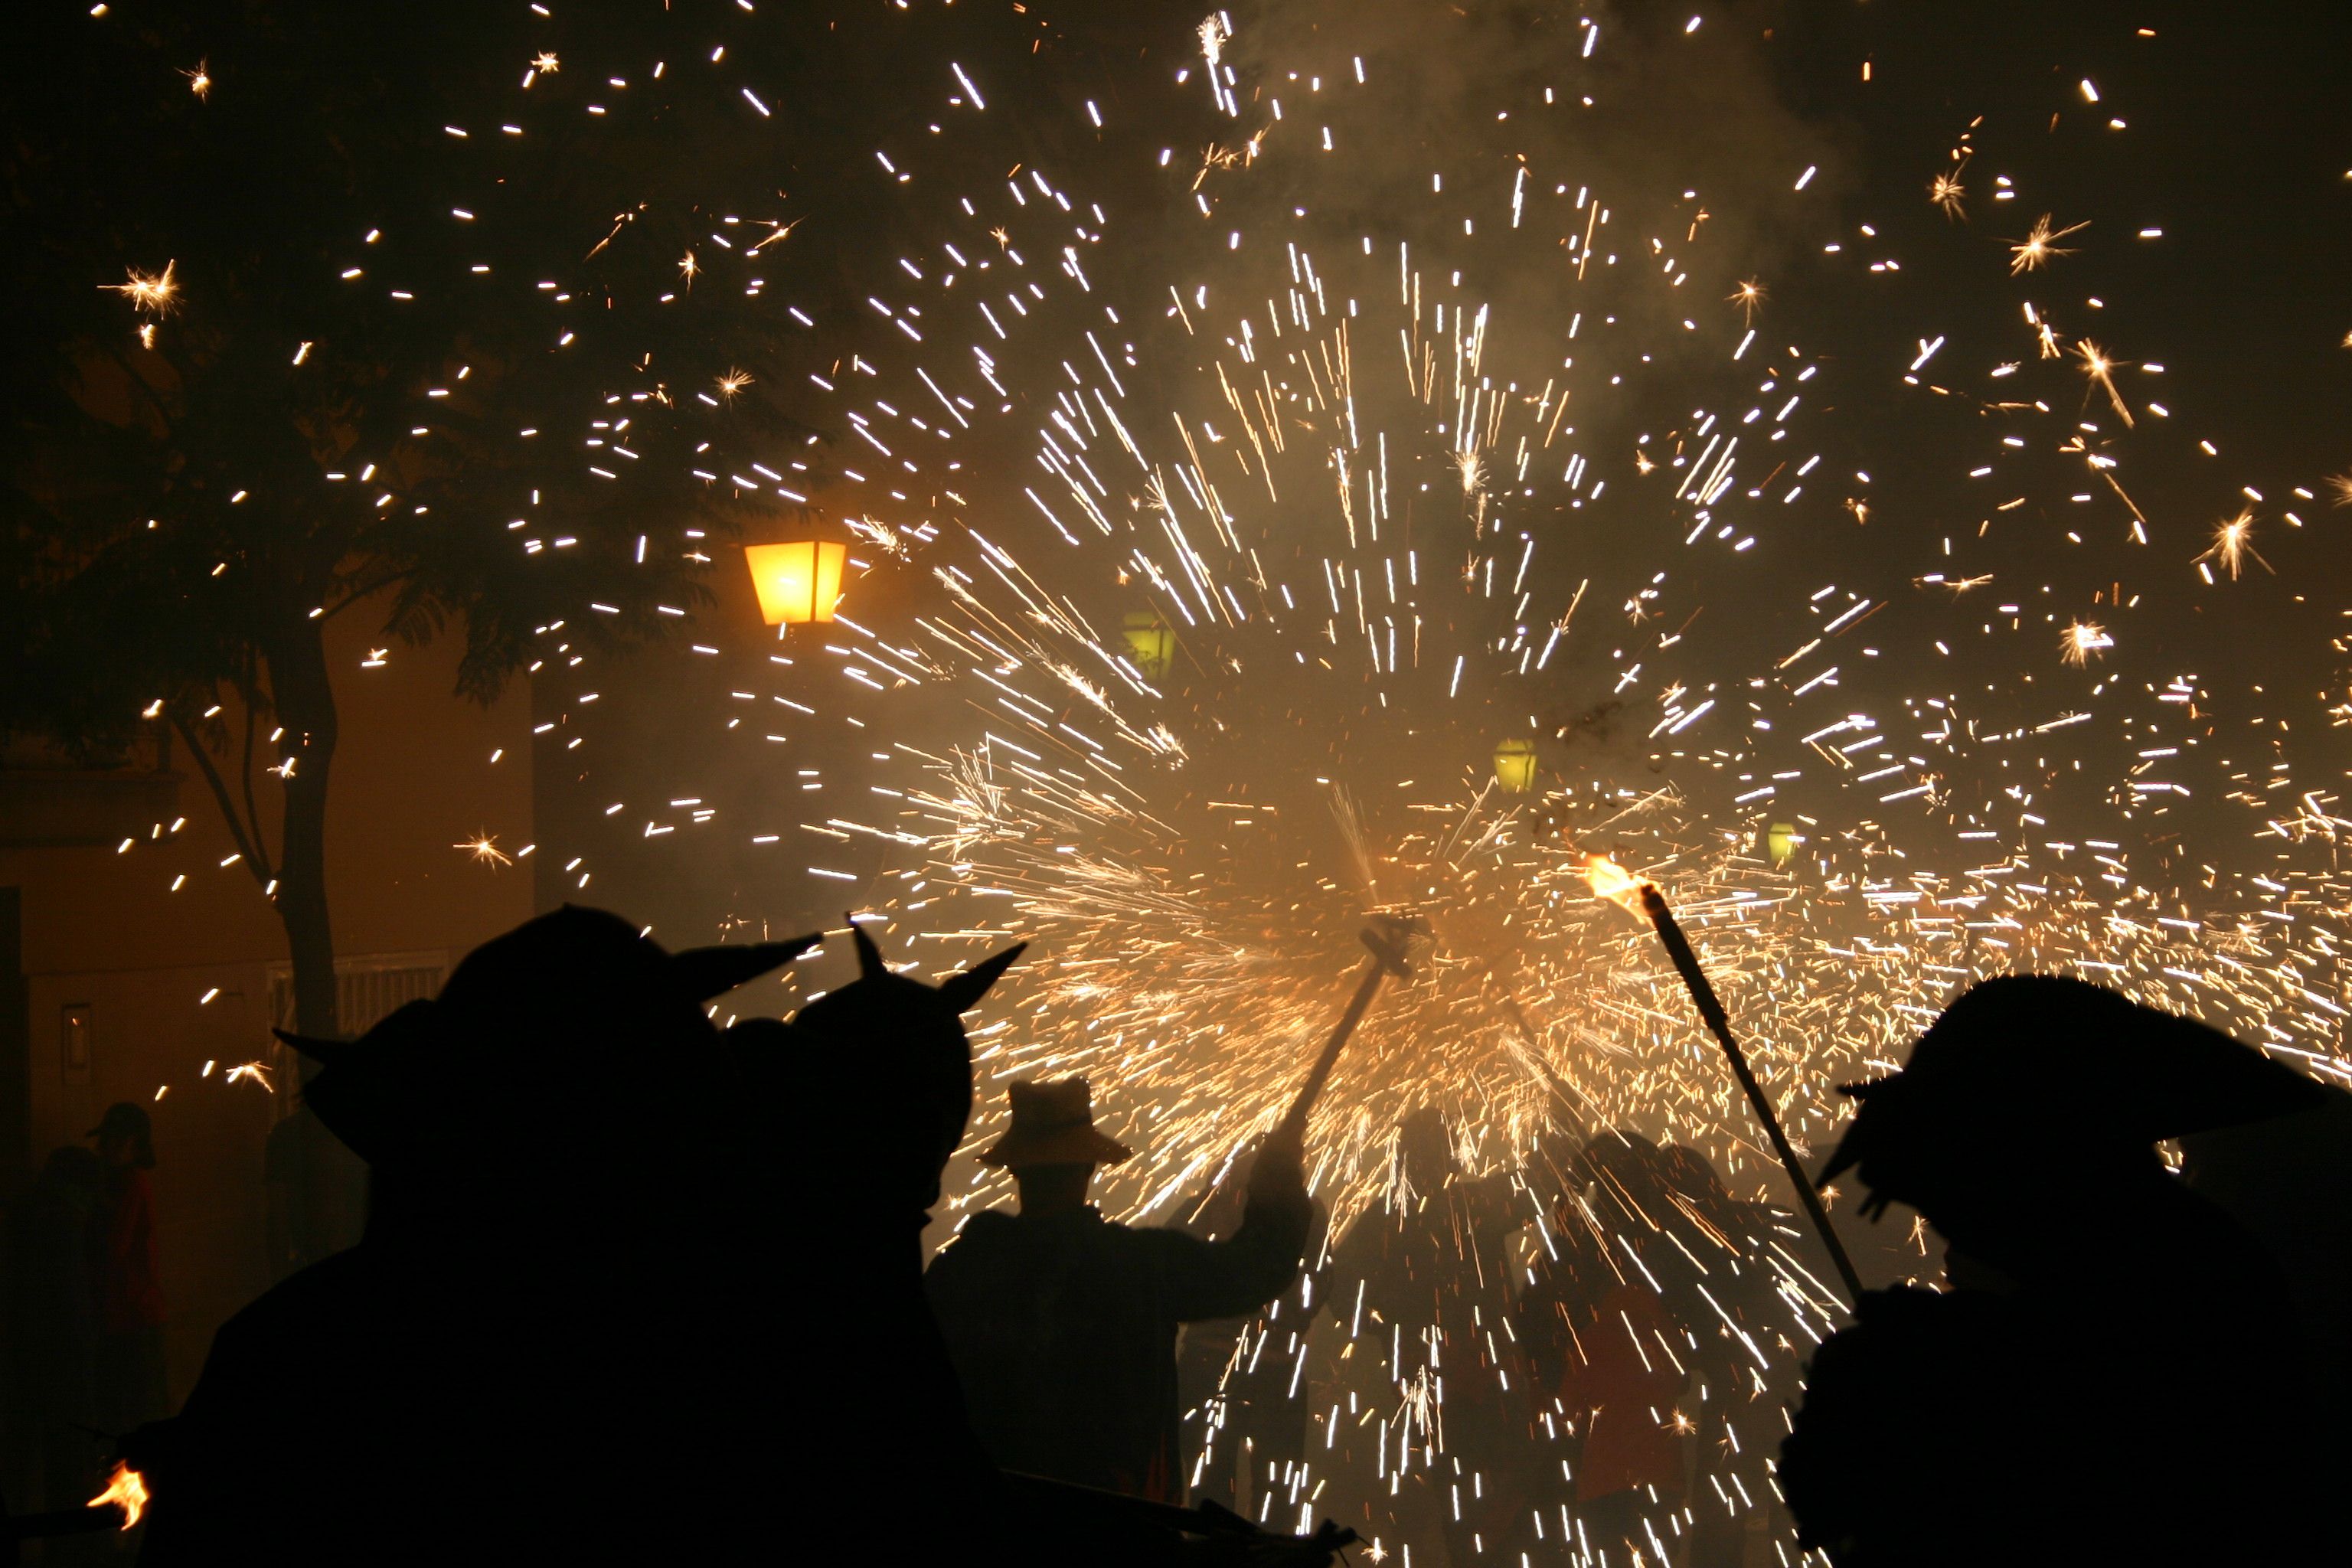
<point x="591" y="1320"/>
<point x="2115" y="1374"/>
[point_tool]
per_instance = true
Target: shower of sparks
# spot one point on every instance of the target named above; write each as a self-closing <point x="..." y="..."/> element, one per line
<point x="200" y="80"/>
<point x="1215" y="574"/>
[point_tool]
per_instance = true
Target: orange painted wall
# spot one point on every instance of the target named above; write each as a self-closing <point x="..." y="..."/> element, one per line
<point x="103" y="930"/>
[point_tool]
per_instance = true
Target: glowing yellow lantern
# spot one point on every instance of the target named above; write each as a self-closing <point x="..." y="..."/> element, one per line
<point x="798" y="581"/>
<point x="1515" y="766"/>
<point x="1781" y="842"/>
<point x="1150" y="643"/>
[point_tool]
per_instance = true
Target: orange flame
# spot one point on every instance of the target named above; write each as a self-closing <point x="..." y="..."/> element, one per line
<point x="126" y="1490"/>
<point x="1613" y="882"/>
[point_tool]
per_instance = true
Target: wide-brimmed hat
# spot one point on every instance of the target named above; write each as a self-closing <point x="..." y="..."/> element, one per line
<point x="1052" y="1124"/>
<point x="2029" y="1063"/>
<point x="569" y="1012"/>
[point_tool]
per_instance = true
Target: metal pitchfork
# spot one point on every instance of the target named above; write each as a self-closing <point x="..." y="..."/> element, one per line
<point x="1386" y="939"/>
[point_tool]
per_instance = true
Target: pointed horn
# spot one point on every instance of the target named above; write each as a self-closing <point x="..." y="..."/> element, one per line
<point x="959" y="991"/>
<point x="869" y="957"/>
<point x="704" y="972"/>
<point x="323" y="1052"/>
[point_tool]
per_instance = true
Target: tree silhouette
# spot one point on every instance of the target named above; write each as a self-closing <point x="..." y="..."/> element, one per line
<point x="372" y="309"/>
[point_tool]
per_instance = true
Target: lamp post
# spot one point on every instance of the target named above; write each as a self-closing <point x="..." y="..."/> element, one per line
<point x="1515" y="766"/>
<point x="1150" y="643"/>
<point x="798" y="581"/>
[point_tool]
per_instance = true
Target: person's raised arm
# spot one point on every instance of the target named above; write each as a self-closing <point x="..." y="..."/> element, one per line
<point x="1244" y="1271"/>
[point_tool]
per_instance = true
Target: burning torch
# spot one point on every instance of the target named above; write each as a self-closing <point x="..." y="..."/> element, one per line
<point x="1611" y="883"/>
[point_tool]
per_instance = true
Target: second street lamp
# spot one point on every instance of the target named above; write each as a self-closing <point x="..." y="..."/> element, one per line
<point x="1515" y="766"/>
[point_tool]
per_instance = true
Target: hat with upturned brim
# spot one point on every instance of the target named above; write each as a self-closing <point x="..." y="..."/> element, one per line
<point x="567" y="1019"/>
<point x="1054" y="1124"/>
<point x="2022" y="1066"/>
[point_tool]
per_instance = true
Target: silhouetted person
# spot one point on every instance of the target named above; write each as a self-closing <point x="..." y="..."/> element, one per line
<point x="2284" y="1180"/>
<point x="1420" y="1279"/>
<point x="297" y="1157"/>
<point x="1063" y="1324"/>
<point x="1244" y="1374"/>
<point x="874" y="1401"/>
<point x="1614" y="1355"/>
<point x="131" y="1386"/>
<point x="552" y="1343"/>
<point x="53" y="1334"/>
<point x="2115" y="1376"/>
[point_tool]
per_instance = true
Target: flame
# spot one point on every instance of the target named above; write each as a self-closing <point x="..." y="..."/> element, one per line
<point x="126" y="1490"/>
<point x="1613" y="882"/>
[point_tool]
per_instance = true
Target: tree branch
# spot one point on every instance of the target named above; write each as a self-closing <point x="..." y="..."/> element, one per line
<point x="355" y="594"/>
<point x="146" y="394"/>
<point x="253" y="861"/>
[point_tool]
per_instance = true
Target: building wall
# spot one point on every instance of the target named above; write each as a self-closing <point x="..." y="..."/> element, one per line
<point x="111" y="953"/>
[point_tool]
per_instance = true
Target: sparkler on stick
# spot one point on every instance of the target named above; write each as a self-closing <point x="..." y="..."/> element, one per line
<point x="1611" y="881"/>
<point x="1385" y="939"/>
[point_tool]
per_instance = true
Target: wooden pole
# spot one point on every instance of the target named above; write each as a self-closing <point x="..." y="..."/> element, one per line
<point x="1718" y="1023"/>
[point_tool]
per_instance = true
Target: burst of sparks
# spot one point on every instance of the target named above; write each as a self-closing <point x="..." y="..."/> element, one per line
<point x="157" y="293"/>
<point x="1748" y="295"/>
<point x="484" y="848"/>
<point x="2040" y="244"/>
<point x="2232" y="543"/>
<point x="2101" y="369"/>
<point x="2082" y="639"/>
<point x="733" y="381"/>
<point x="200" y="80"/>
<point x="1948" y="192"/>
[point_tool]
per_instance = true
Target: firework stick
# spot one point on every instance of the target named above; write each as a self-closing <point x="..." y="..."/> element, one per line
<point x="1386" y="940"/>
<point x="87" y="1521"/>
<point x="1718" y="1023"/>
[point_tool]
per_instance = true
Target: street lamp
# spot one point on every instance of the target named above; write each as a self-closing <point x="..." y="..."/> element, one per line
<point x="1150" y="643"/>
<point x="1515" y="766"/>
<point x="797" y="581"/>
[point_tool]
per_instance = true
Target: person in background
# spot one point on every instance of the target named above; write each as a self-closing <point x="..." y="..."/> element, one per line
<point x="55" y="1460"/>
<point x="1063" y="1325"/>
<point x="130" y="1385"/>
